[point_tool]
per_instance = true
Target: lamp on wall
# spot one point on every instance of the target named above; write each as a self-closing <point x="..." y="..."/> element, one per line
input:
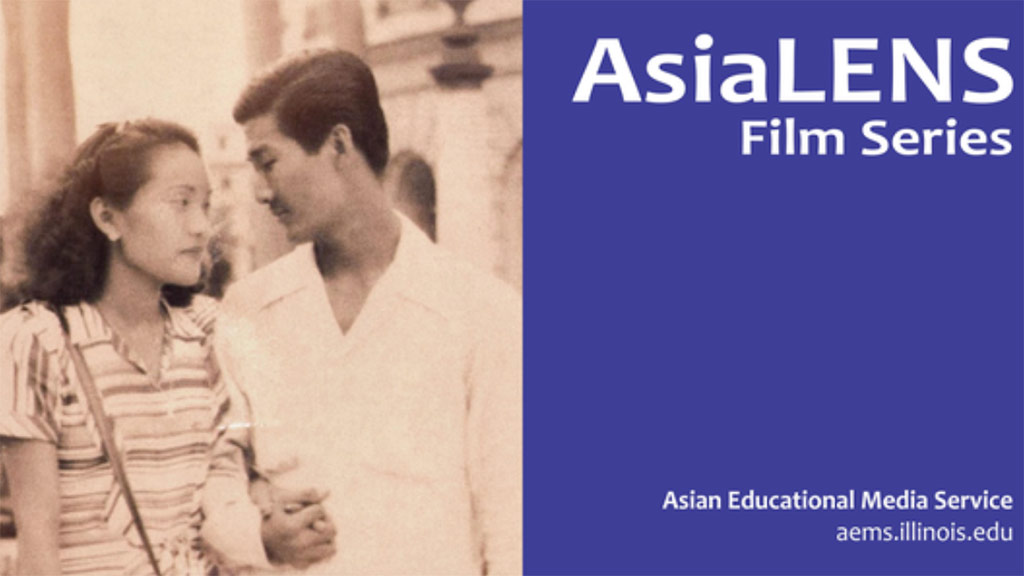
<point x="460" y="61"/>
<point x="459" y="6"/>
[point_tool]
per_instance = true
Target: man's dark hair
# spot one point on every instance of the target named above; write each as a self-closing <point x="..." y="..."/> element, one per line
<point x="311" y="93"/>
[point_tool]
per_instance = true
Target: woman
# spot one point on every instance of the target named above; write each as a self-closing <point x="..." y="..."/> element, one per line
<point x="111" y="257"/>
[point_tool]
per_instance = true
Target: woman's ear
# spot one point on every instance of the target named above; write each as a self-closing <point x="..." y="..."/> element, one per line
<point x="103" y="216"/>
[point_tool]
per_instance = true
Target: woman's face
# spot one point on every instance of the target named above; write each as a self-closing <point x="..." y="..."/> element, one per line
<point x="165" y="228"/>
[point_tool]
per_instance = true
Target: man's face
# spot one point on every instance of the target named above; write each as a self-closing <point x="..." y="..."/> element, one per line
<point x="304" y="190"/>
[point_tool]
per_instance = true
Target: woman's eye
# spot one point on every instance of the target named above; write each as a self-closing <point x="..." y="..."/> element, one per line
<point x="180" y="202"/>
<point x="267" y="166"/>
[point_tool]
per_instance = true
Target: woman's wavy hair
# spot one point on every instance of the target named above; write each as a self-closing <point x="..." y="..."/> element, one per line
<point x="67" y="255"/>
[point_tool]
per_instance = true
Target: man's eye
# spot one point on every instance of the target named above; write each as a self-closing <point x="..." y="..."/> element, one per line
<point x="267" y="166"/>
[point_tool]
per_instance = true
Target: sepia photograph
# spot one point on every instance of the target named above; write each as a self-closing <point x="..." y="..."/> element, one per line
<point x="261" y="278"/>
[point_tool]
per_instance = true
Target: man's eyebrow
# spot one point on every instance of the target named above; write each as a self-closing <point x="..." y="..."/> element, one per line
<point x="256" y="154"/>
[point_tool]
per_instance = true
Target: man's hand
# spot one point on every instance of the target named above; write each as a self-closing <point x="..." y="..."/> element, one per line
<point x="296" y="529"/>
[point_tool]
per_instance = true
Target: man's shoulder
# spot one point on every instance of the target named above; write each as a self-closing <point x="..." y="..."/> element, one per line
<point x="462" y="289"/>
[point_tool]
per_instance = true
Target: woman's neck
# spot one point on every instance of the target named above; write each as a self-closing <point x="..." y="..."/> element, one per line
<point x="129" y="297"/>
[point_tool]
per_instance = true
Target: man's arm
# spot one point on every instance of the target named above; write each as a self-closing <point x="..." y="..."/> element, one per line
<point x="496" y="438"/>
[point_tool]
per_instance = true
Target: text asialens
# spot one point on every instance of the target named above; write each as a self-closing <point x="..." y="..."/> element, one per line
<point x="743" y="78"/>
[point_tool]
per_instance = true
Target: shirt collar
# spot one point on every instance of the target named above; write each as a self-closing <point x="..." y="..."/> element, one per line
<point x="88" y="326"/>
<point x="292" y="272"/>
<point x="412" y="274"/>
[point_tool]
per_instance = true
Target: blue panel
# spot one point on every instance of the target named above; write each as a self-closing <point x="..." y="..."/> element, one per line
<point x="700" y="319"/>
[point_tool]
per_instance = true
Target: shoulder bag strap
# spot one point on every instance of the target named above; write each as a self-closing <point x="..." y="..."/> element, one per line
<point x="106" y="431"/>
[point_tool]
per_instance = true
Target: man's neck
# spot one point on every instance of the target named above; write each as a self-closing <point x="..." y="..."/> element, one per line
<point x="352" y="267"/>
<point x="363" y="248"/>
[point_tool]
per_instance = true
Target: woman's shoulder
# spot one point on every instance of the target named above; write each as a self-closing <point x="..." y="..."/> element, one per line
<point x="30" y="322"/>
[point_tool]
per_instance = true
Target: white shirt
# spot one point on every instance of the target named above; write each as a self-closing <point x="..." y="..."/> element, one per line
<point x="412" y="419"/>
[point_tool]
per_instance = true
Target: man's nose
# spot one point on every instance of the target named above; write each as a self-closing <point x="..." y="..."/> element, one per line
<point x="263" y="193"/>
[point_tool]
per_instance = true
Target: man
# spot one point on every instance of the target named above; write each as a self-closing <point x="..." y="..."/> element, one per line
<point x="379" y="367"/>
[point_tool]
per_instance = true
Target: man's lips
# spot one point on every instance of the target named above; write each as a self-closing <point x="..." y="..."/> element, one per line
<point x="278" y="210"/>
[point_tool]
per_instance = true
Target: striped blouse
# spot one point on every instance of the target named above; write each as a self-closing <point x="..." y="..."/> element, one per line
<point x="165" y="425"/>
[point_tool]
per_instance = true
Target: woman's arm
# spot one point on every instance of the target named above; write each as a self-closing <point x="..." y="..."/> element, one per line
<point x="231" y="523"/>
<point x="35" y="499"/>
<point x="274" y="525"/>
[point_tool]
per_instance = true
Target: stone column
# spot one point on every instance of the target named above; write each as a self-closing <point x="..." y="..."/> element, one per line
<point x="263" y="42"/>
<point x="39" y="93"/>
<point x="347" y="28"/>
<point x="466" y="223"/>
<point x="263" y="28"/>
<point x="40" y="108"/>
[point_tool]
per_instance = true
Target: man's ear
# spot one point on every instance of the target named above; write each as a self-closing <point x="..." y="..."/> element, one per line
<point x="340" y="139"/>
<point x="103" y="216"/>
